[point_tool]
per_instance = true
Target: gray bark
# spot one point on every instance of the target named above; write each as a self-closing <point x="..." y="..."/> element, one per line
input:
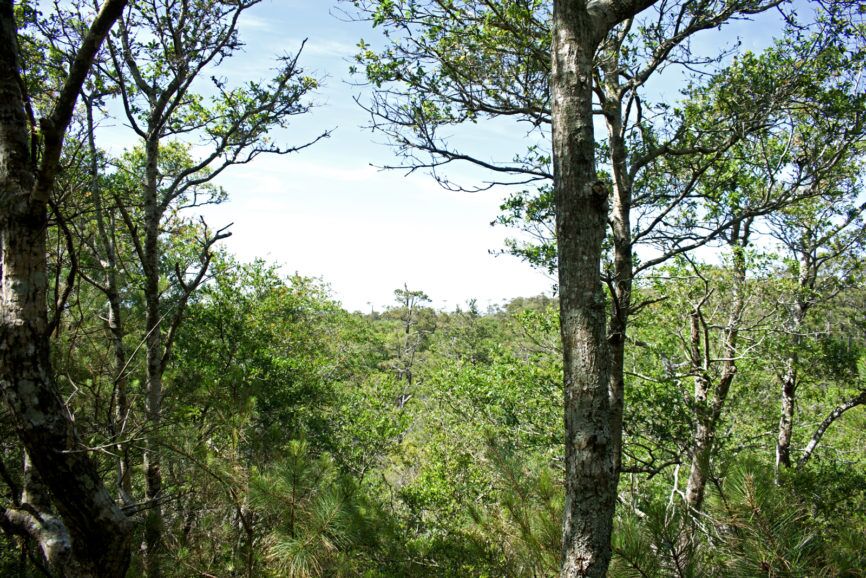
<point x="786" y="415"/>
<point x="620" y="224"/>
<point x="806" y="285"/>
<point x="581" y="215"/>
<point x="153" y="524"/>
<point x="581" y="206"/>
<point x="98" y="532"/>
<point x="114" y="317"/>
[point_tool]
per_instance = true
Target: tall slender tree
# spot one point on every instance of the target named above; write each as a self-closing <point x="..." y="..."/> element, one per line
<point x="581" y="212"/>
<point x="156" y="81"/>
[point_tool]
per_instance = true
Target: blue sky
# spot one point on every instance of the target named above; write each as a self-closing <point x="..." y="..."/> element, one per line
<point x="328" y="212"/>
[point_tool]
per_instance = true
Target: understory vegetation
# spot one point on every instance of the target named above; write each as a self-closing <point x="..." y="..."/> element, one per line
<point x="303" y="440"/>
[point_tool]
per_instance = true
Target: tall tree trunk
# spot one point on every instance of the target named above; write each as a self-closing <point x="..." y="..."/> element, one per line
<point x="98" y="530"/>
<point x="703" y="432"/>
<point x="581" y="222"/>
<point x="709" y="398"/>
<point x="114" y="319"/>
<point x="153" y="525"/>
<point x="121" y="396"/>
<point x="616" y="386"/>
<point x="581" y="207"/>
<point x="786" y="417"/>
<point x="806" y="285"/>
<point x="620" y="219"/>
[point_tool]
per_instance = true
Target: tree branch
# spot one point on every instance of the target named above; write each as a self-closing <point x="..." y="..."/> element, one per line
<point x="54" y="126"/>
<point x="859" y="399"/>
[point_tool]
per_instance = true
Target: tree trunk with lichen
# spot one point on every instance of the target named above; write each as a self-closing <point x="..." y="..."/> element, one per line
<point x="581" y="221"/>
<point x="805" y="287"/>
<point x="592" y="426"/>
<point x="623" y="269"/>
<point x="153" y="523"/>
<point x="91" y="536"/>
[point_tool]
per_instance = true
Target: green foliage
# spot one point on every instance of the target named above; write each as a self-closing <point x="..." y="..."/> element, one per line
<point x="776" y="531"/>
<point x="840" y="358"/>
<point x="458" y="473"/>
<point x="369" y="423"/>
<point x="531" y="212"/>
<point x="451" y="63"/>
<point x="649" y="537"/>
<point x="523" y="523"/>
<point x="300" y="501"/>
<point x="751" y="527"/>
<point x="176" y="186"/>
<point x="262" y="346"/>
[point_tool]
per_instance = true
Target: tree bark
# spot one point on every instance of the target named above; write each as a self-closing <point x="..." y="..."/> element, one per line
<point x="702" y="437"/>
<point x="806" y="285"/>
<point x="581" y="207"/>
<point x="114" y="318"/>
<point x="620" y="224"/>
<point x="153" y="524"/>
<point x="786" y="417"/>
<point x="99" y="532"/>
<point x="581" y="221"/>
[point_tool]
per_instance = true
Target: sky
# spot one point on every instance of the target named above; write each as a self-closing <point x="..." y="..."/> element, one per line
<point x="330" y="212"/>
